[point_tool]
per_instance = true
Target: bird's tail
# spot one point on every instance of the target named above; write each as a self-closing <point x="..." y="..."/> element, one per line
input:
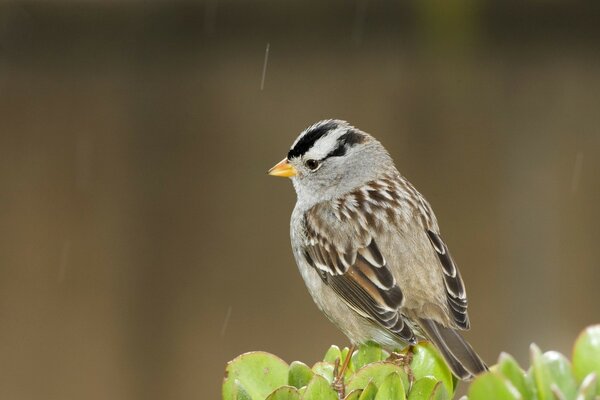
<point x="459" y="355"/>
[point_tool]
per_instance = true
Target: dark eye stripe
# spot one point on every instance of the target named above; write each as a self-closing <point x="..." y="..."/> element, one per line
<point x="307" y="141"/>
<point x="346" y="141"/>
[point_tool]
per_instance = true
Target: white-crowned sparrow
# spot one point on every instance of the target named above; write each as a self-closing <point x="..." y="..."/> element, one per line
<point x="369" y="248"/>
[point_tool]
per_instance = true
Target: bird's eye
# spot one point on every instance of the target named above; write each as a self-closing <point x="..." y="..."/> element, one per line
<point x="312" y="164"/>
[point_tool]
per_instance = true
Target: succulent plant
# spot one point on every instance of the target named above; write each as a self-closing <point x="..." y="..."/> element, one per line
<point x="369" y="376"/>
<point x="373" y="375"/>
<point x="550" y="377"/>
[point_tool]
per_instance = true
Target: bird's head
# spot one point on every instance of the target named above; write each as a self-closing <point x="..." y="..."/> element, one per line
<point x="331" y="158"/>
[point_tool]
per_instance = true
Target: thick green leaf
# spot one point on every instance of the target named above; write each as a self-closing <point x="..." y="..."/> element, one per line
<point x="422" y="388"/>
<point x="367" y="353"/>
<point x="240" y="392"/>
<point x="369" y="392"/>
<point x="530" y="379"/>
<point x="428" y="362"/>
<point x="299" y="374"/>
<point x="561" y="375"/>
<point x="259" y="373"/>
<point x="324" y="369"/>
<point x="376" y="373"/>
<point x="541" y="374"/>
<point x="586" y="353"/>
<point x="391" y="388"/>
<point x="511" y="370"/>
<point x="588" y="388"/>
<point x="284" y="393"/>
<point x="439" y="392"/>
<point x="492" y="385"/>
<point x="551" y="375"/>
<point x="353" y="395"/>
<point x="332" y="354"/>
<point x="319" y="389"/>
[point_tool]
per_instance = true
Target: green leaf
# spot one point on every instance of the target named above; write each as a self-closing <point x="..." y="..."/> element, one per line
<point x="324" y="369"/>
<point x="492" y="385"/>
<point x="540" y="374"/>
<point x="258" y="373"/>
<point x="375" y="373"/>
<point x="561" y="375"/>
<point x="239" y="392"/>
<point x="332" y="354"/>
<point x="353" y="395"/>
<point x="423" y="388"/>
<point x="586" y="353"/>
<point x="588" y="387"/>
<point x="369" y="392"/>
<point x="552" y="375"/>
<point x="511" y="370"/>
<point x="391" y="388"/>
<point x="284" y="393"/>
<point x="428" y="362"/>
<point x="530" y="379"/>
<point x="299" y="374"/>
<point x="319" y="389"/>
<point x="367" y="353"/>
<point x="439" y="392"/>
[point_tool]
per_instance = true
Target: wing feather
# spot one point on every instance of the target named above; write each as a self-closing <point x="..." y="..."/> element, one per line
<point x="361" y="277"/>
<point x="455" y="287"/>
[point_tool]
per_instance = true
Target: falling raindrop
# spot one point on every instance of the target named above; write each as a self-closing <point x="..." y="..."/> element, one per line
<point x="264" y="71"/>
<point x="226" y="321"/>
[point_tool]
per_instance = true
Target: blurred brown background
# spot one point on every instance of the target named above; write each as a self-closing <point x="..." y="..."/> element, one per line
<point x="142" y="245"/>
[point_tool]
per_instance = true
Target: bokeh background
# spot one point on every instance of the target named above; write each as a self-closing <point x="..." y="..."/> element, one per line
<point x="142" y="245"/>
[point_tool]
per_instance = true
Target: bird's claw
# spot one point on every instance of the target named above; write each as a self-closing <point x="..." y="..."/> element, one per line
<point x="338" y="380"/>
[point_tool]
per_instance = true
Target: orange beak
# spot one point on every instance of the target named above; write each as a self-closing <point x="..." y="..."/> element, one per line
<point x="283" y="169"/>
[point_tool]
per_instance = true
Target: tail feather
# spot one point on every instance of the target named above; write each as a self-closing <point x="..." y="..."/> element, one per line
<point x="460" y="356"/>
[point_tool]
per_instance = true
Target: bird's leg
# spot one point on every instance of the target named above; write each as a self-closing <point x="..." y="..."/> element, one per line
<point x="336" y="369"/>
<point x="403" y="360"/>
<point x="410" y="352"/>
<point x="338" y="374"/>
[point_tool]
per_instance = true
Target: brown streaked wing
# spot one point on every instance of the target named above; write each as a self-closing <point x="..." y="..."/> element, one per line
<point x="455" y="288"/>
<point x="360" y="276"/>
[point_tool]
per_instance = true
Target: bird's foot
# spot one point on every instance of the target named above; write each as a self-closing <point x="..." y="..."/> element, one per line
<point x="403" y="360"/>
<point x="338" y="380"/>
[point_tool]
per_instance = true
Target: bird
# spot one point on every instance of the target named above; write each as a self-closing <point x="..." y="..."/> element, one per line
<point x="369" y="248"/>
